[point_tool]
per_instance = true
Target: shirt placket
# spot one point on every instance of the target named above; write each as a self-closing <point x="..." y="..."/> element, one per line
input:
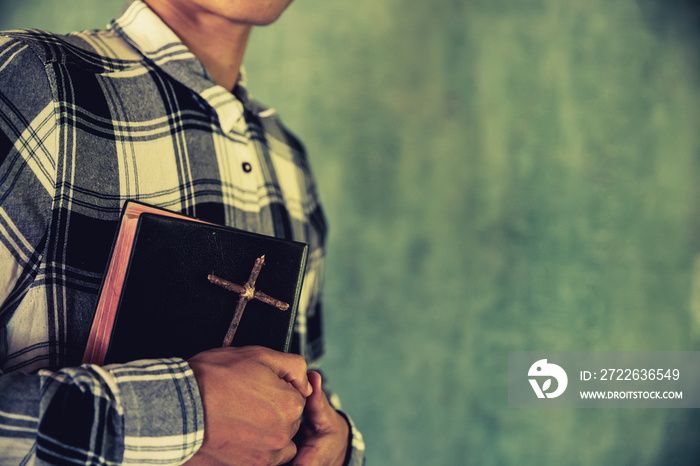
<point x="248" y="175"/>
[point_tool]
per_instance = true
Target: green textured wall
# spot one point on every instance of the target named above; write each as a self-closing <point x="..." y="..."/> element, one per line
<point x="499" y="175"/>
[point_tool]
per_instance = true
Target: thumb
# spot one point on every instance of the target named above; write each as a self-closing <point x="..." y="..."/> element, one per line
<point x="317" y="404"/>
<point x="326" y="431"/>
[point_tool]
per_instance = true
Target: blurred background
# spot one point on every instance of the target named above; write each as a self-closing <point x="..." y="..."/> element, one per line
<point x="499" y="175"/>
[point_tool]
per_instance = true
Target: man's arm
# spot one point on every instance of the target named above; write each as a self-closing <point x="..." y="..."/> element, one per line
<point x="147" y="410"/>
<point x="155" y="411"/>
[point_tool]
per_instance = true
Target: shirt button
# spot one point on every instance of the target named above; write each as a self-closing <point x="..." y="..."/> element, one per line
<point x="247" y="167"/>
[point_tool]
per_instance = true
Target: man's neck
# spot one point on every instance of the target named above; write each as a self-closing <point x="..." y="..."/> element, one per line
<point x="217" y="42"/>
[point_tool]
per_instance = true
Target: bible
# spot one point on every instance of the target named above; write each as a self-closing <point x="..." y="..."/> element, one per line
<point x="176" y="286"/>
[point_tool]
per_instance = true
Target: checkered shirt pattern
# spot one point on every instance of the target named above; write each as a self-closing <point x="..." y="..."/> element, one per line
<point x="89" y="120"/>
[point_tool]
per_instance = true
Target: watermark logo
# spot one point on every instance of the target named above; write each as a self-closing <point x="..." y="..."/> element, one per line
<point x="546" y="371"/>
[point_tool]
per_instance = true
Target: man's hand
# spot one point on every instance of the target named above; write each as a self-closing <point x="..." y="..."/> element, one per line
<point x="253" y="400"/>
<point x="325" y="431"/>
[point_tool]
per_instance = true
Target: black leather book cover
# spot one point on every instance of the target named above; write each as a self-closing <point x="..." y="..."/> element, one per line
<point x="169" y="308"/>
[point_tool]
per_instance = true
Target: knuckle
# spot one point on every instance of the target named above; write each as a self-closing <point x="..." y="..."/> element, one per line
<point x="278" y="440"/>
<point x="294" y="409"/>
<point x="300" y="362"/>
<point x="261" y="459"/>
<point x="289" y="452"/>
<point x="290" y="411"/>
<point x="255" y="351"/>
<point x="286" y="411"/>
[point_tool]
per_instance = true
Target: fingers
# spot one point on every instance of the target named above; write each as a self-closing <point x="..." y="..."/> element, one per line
<point x="253" y="400"/>
<point x="288" y="453"/>
<point x="295" y="426"/>
<point x="289" y="367"/>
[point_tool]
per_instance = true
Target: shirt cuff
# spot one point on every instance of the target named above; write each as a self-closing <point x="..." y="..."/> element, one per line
<point x="163" y="412"/>
<point x="356" y="445"/>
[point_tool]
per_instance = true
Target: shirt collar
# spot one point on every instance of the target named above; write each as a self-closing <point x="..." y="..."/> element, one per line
<point x="146" y="32"/>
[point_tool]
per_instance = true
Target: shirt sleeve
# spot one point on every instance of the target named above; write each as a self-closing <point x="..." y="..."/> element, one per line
<point x="27" y="167"/>
<point x="356" y="446"/>
<point x="146" y="411"/>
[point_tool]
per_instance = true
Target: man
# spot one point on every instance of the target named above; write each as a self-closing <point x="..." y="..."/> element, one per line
<point x="153" y="109"/>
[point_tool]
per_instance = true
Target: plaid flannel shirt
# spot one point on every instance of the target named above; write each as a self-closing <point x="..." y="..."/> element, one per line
<point x="87" y="121"/>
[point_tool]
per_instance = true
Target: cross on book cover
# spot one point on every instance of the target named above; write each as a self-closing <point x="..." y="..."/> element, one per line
<point x="176" y="286"/>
